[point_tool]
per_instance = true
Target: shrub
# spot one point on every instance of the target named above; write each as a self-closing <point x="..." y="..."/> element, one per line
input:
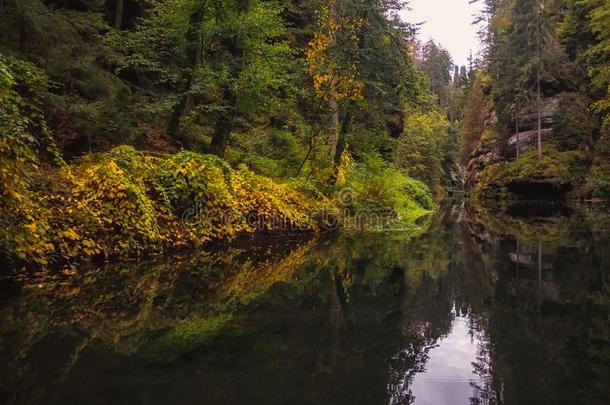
<point x="115" y="210"/>
<point x="274" y="205"/>
<point x="128" y="203"/>
<point x="379" y="186"/>
<point x="199" y="188"/>
<point x="24" y="229"/>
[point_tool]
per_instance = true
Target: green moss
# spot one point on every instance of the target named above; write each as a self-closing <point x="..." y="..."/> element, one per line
<point x="562" y="170"/>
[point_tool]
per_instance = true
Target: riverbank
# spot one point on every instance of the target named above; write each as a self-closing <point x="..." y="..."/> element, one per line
<point x="127" y="203"/>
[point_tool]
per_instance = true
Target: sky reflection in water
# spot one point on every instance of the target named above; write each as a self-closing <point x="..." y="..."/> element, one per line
<point x="450" y="376"/>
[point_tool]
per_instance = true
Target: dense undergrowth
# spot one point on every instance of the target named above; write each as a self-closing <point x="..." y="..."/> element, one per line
<point x="163" y="133"/>
<point x="128" y="203"/>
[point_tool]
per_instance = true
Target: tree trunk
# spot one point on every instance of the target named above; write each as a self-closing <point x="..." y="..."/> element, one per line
<point x="224" y="125"/>
<point x="517" y="133"/>
<point x="173" y="128"/>
<point x="334" y="130"/>
<point x="118" y="14"/>
<point x="538" y="72"/>
<point x="193" y="53"/>
<point x="341" y="142"/>
<point x="222" y="132"/>
<point x="539" y="126"/>
<point x="539" y="275"/>
<point x="226" y="119"/>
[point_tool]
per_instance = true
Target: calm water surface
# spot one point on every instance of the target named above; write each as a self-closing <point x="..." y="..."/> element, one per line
<point x="474" y="308"/>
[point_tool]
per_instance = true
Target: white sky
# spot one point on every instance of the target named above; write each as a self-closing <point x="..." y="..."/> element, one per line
<point x="448" y="22"/>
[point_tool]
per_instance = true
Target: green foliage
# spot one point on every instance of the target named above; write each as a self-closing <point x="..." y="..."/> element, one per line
<point x="86" y="104"/>
<point x="598" y="179"/>
<point x="477" y="109"/>
<point x="437" y="64"/>
<point x="275" y="153"/>
<point x="23" y="136"/>
<point x="380" y="187"/>
<point x="598" y="56"/>
<point x="424" y="146"/>
<point x="221" y="63"/>
<point x="573" y="126"/>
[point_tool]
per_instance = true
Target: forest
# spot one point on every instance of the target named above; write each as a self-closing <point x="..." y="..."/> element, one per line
<point x="119" y="116"/>
<point x="304" y="201"/>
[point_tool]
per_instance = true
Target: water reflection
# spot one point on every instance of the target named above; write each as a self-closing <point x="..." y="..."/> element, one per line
<point x="450" y="375"/>
<point x="481" y="309"/>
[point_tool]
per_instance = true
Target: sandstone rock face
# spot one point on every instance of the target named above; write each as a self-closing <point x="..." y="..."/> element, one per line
<point x="489" y="153"/>
<point x="481" y="158"/>
<point x="528" y="141"/>
<point x="528" y="115"/>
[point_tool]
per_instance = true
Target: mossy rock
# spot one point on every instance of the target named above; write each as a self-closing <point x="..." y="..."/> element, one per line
<point x="556" y="173"/>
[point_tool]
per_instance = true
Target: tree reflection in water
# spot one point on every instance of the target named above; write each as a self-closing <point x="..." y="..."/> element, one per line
<point x="502" y="310"/>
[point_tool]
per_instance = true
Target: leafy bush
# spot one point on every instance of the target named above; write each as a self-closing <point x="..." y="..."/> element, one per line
<point x="23" y="136"/>
<point x="128" y="203"/>
<point x="379" y="186"/>
<point x="120" y="216"/>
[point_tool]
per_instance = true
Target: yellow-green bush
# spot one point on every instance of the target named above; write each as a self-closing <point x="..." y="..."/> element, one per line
<point x="24" y="227"/>
<point x="373" y="185"/>
<point x="118" y="213"/>
<point x="198" y="189"/>
<point x="128" y="203"/>
<point x="271" y="205"/>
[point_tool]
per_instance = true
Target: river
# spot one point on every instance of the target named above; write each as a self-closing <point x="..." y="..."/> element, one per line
<point x="473" y="307"/>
